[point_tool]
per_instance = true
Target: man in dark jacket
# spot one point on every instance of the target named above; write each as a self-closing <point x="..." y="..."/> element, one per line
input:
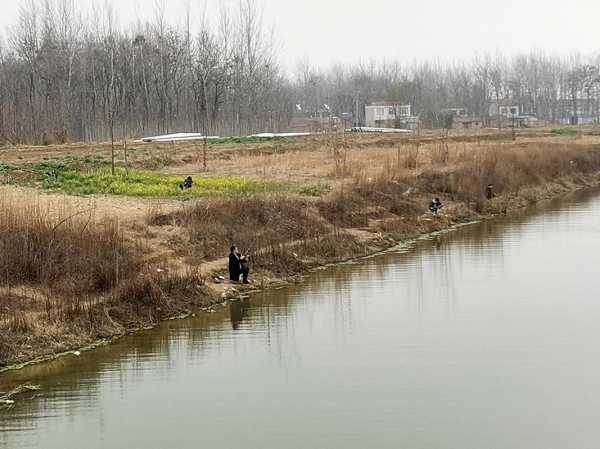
<point x="187" y="183"/>
<point x="235" y="268"/>
<point x="435" y="206"/>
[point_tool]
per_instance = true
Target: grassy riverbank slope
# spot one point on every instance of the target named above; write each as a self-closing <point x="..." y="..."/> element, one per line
<point x="78" y="268"/>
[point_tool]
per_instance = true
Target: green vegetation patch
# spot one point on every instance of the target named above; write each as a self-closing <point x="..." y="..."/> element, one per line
<point x="90" y="175"/>
<point x="315" y="190"/>
<point x="564" y="131"/>
<point x="147" y="184"/>
<point x="7" y="168"/>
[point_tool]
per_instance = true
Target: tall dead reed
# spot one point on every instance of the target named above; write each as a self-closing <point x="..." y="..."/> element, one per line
<point x="66" y="251"/>
<point x="252" y="222"/>
<point x="509" y="168"/>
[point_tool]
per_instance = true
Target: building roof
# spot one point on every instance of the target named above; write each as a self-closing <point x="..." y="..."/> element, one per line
<point x="387" y="103"/>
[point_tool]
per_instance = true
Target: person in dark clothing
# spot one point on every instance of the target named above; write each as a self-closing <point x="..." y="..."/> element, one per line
<point x="489" y="192"/>
<point x="235" y="267"/>
<point x="244" y="267"/>
<point x="187" y="183"/>
<point x="435" y="206"/>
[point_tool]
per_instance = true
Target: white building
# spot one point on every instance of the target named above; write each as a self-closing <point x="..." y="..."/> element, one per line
<point x="504" y="108"/>
<point x="388" y="114"/>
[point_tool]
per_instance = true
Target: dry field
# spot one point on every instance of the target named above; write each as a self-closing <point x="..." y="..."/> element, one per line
<point x="76" y="268"/>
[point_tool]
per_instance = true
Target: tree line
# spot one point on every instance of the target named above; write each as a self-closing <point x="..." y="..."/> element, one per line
<point x="69" y="75"/>
<point x="86" y="77"/>
<point x="552" y="88"/>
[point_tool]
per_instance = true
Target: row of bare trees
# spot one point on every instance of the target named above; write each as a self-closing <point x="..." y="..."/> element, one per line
<point x="552" y="88"/>
<point x="84" y="77"/>
<point x="66" y="74"/>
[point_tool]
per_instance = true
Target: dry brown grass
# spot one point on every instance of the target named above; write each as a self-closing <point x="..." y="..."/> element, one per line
<point x="297" y="257"/>
<point x="365" y="157"/>
<point x="508" y="168"/>
<point x="382" y="186"/>
<point x="64" y="251"/>
<point x="67" y="279"/>
<point x="459" y="172"/>
<point x="252" y="222"/>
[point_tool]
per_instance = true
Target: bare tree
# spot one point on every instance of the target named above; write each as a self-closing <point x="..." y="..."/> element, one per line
<point x="65" y="73"/>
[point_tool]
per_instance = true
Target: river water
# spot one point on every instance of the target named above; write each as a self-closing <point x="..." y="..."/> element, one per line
<point x="485" y="337"/>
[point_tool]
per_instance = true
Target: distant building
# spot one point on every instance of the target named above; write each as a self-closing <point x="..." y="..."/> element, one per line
<point x="504" y="108"/>
<point x="578" y="111"/>
<point x="467" y="123"/>
<point x="456" y="112"/>
<point x="507" y="113"/>
<point x="528" y="121"/>
<point x="387" y="114"/>
<point x="459" y="118"/>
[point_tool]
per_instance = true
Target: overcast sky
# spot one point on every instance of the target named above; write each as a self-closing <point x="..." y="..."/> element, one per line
<point x="328" y="31"/>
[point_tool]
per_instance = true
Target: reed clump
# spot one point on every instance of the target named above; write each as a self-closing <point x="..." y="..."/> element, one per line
<point x="67" y="279"/>
<point x="509" y="169"/>
<point x="254" y="221"/>
<point x="401" y="180"/>
<point x="61" y="249"/>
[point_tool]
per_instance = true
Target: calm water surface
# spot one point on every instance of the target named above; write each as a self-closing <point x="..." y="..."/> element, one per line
<point x="486" y="337"/>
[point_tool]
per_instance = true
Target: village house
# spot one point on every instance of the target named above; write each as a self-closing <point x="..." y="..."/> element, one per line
<point x="507" y="113"/>
<point x="387" y="114"/>
<point x="504" y="109"/>
<point x="461" y="119"/>
<point x="466" y="122"/>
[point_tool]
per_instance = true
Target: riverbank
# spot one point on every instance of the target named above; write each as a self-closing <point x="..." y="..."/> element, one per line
<point x="486" y="309"/>
<point x="75" y="279"/>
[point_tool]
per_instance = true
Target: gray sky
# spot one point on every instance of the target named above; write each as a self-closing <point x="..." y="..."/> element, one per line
<point x="328" y="31"/>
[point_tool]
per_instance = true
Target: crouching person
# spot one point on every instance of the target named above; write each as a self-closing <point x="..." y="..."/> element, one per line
<point x="435" y="206"/>
<point x="187" y="183"/>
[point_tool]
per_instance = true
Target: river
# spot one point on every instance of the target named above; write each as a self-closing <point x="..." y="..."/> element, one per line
<point x="484" y="337"/>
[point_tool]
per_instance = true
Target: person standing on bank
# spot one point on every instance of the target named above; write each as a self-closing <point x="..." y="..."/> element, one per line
<point x="235" y="267"/>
